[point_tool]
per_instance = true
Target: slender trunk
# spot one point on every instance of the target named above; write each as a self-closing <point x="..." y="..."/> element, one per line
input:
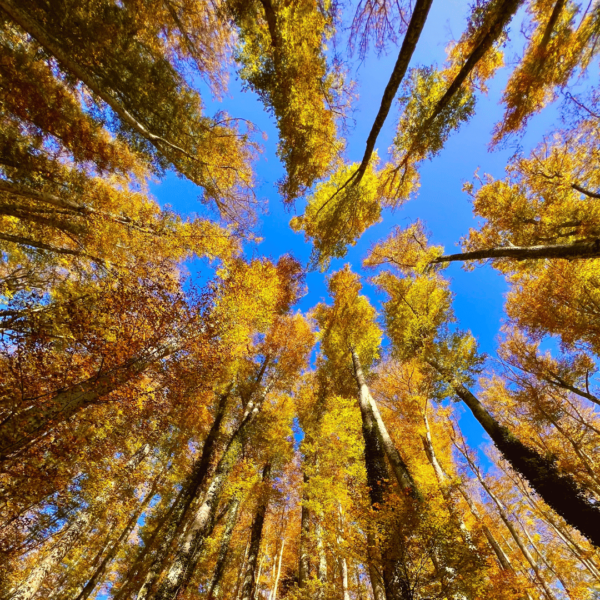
<point x="72" y="534"/>
<point x="240" y="577"/>
<point x="304" y="559"/>
<point x="377" y="584"/>
<point x="368" y="405"/>
<point x="509" y="525"/>
<point x="273" y="595"/>
<point x="101" y="569"/>
<point x="378" y="478"/>
<point x="503" y="559"/>
<point x="255" y="540"/>
<point x="128" y="584"/>
<point x="344" y="570"/>
<point x="191" y="491"/>
<point x="342" y="560"/>
<point x="322" y="564"/>
<point x="25" y="427"/>
<point x="504" y="14"/>
<point x="443" y="481"/>
<point x="413" y="32"/>
<point x="260" y="568"/>
<point x="581" y="249"/>
<point x="559" y="490"/>
<point x="192" y="542"/>
<point x="214" y="588"/>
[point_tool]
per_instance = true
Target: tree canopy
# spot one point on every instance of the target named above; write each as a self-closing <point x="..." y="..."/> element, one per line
<point x="299" y="396"/>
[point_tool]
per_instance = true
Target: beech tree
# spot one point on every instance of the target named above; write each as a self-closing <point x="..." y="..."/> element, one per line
<point x="183" y="417"/>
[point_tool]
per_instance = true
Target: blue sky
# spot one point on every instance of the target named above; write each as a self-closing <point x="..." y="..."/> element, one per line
<point x="441" y="204"/>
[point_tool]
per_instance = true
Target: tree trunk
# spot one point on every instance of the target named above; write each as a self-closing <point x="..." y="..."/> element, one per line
<point x="23" y="428"/>
<point x="190" y="492"/>
<point x="128" y="584"/>
<point x="190" y="546"/>
<point x="559" y="490"/>
<point x="255" y="540"/>
<point x="214" y="588"/>
<point x="370" y="410"/>
<point x="101" y="569"/>
<point x="582" y="249"/>
<point x="304" y="559"/>
<point x="413" y="32"/>
<point x="377" y="585"/>
<point x="273" y="595"/>
<point x="509" y="525"/>
<point x="73" y="533"/>
<point x="322" y="564"/>
<point x="378" y="478"/>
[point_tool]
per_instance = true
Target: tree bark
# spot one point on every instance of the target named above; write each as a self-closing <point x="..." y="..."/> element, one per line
<point x="193" y="489"/>
<point x="70" y="537"/>
<point x="509" y="525"/>
<point x="415" y="27"/>
<point x="322" y="564"/>
<point x="101" y="569"/>
<point x="371" y="413"/>
<point x="304" y="558"/>
<point x="559" y="490"/>
<point x="505" y="12"/>
<point x="582" y="249"/>
<point x="192" y="542"/>
<point x="249" y="584"/>
<point x="273" y="595"/>
<point x="22" y="429"/>
<point x="214" y="588"/>
<point x="378" y="478"/>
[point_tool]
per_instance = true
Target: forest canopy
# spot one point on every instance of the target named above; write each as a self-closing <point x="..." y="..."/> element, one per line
<point x="237" y="360"/>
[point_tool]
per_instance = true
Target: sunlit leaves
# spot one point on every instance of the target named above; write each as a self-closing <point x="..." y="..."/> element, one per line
<point x="339" y="212"/>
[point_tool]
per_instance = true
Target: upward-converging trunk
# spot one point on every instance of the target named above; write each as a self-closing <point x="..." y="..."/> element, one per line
<point x="214" y="588"/>
<point x="370" y="412"/>
<point x="72" y="534"/>
<point x="506" y="520"/>
<point x="100" y="570"/>
<point x="304" y="558"/>
<point x="378" y="477"/>
<point x="24" y="427"/>
<point x="191" y="543"/>
<point x="249" y="584"/>
<point x="193" y="488"/>
<point x="559" y="490"/>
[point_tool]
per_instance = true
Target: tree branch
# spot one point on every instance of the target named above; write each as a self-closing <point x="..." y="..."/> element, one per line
<point x="582" y="249"/>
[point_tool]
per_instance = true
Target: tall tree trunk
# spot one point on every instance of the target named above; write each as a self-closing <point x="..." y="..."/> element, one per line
<point x="72" y="534"/>
<point x="503" y="559"/>
<point x="378" y="478"/>
<point x="23" y="428"/>
<point x="377" y="585"/>
<point x="191" y="543"/>
<point x="304" y="558"/>
<point x="369" y="408"/>
<point x="509" y="525"/>
<point x="100" y="570"/>
<point x="322" y="564"/>
<point x="273" y="595"/>
<point x="559" y="490"/>
<point x="443" y="481"/>
<point x="248" y="586"/>
<point x="581" y="249"/>
<point x="128" y="585"/>
<point x="240" y="578"/>
<point x="180" y="512"/>
<point x="214" y="588"/>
